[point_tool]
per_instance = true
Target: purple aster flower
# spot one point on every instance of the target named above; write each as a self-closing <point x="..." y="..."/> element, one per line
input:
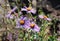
<point x="29" y="10"/>
<point x="22" y="22"/>
<point x="41" y="16"/>
<point x="23" y="9"/>
<point x="32" y="10"/>
<point x="34" y="27"/>
<point x="44" y="17"/>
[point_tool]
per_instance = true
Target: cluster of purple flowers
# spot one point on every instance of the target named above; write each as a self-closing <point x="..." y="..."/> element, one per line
<point x="24" y="21"/>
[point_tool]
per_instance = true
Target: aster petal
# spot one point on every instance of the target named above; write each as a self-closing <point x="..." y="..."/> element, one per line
<point x="19" y="26"/>
<point x="27" y="23"/>
<point x="41" y="16"/>
<point x="36" y="28"/>
<point x="14" y="9"/>
<point x="23" y="9"/>
<point x="11" y="17"/>
<point x="26" y="26"/>
<point x="33" y="11"/>
<point x="21" y="18"/>
<point x="17" y="23"/>
<point x="28" y="11"/>
<point x="48" y="19"/>
<point x="25" y="18"/>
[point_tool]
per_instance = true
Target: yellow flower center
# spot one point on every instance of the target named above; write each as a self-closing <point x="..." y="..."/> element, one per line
<point x="32" y="25"/>
<point x="21" y="22"/>
<point x="29" y="8"/>
<point x="45" y="16"/>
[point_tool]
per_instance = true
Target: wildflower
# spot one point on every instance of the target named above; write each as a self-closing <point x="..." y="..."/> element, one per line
<point x="26" y="10"/>
<point x="31" y="10"/>
<point x="34" y="27"/>
<point x="44" y="17"/>
<point x="22" y="22"/>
